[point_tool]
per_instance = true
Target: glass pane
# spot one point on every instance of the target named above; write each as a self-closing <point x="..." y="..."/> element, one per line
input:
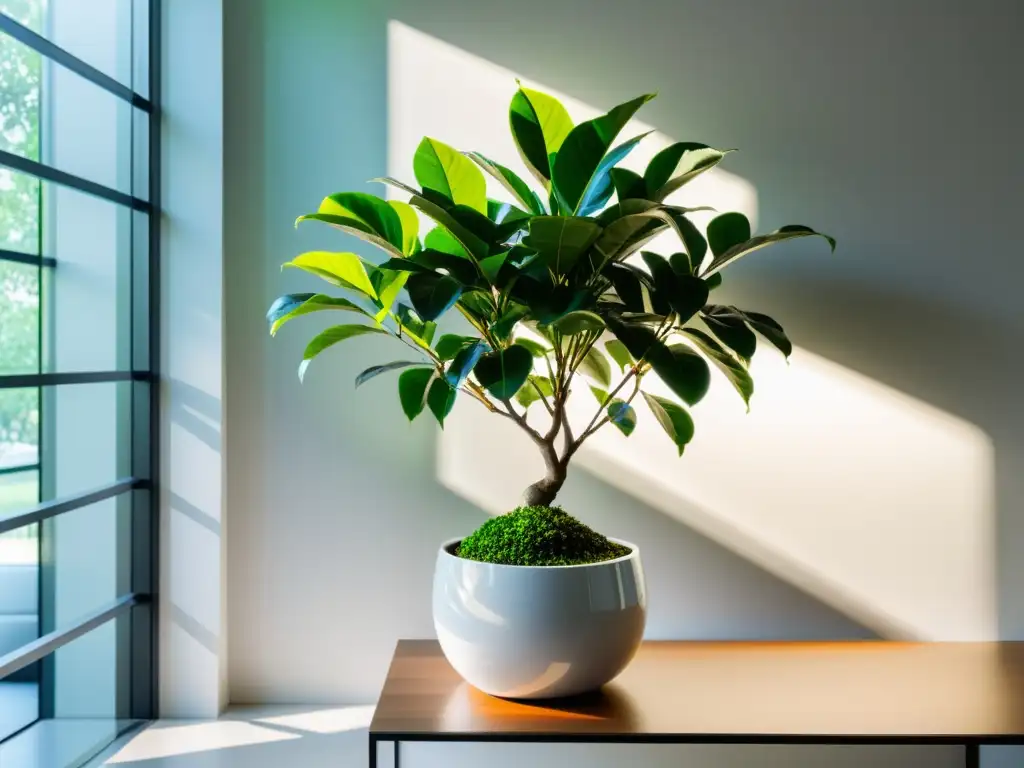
<point x="19" y="318"/>
<point x="19" y="434"/>
<point x="85" y="130"/>
<point x="84" y="697"/>
<point x="86" y="558"/>
<point x="140" y="21"/>
<point x="96" y="31"/>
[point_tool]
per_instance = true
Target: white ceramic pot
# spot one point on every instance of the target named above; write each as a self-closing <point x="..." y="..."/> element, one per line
<point x="535" y="632"/>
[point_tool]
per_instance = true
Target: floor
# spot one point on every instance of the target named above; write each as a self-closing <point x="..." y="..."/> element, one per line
<point x="254" y="737"/>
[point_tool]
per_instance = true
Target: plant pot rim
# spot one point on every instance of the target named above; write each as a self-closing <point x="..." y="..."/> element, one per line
<point x="634" y="552"/>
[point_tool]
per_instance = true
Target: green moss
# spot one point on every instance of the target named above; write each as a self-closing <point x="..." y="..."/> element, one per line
<point x="538" y="536"/>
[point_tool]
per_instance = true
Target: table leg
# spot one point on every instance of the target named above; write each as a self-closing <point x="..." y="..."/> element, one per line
<point x="971" y="758"/>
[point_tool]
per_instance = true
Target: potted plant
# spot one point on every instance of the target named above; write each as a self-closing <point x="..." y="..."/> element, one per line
<point x="556" y="291"/>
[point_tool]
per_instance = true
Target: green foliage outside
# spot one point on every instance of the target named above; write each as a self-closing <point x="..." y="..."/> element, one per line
<point x="538" y="536"/>
<point x="555" y="288"/>
<point x="20" y="73"/>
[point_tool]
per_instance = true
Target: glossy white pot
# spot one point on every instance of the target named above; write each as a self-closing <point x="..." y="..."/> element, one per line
<point x="536" y="632"/>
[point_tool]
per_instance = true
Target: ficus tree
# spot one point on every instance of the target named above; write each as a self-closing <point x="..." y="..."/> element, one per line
<point x="556" y="288"/>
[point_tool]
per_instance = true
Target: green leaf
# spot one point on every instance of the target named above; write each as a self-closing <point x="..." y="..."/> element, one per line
<point x="726" y="231"/>
<point x="599" y="189"/>
<point x="462" y="269"/>
<point x="410" y="226"/>
<point x="296" y="304"/>
<point x="463" y="363"/>
<point x="733" y="369"/>
<point x="502" y="327"/>
<point x="466" y="238"/>
<point x="684" y="371"/>
<point x="377" y="370"/>
<point x="692" y="239"/>
<point x="345" y="270"/>
<point x="731" y="330"/>
<point x="388" y="283"/>
<point x="432" y="295"/>
<point x="580" y="321"/>
<point x="536" y="348"/>
<point x="332" y="336"/>
<point x="362" y="214"/>
<point x="771" y="330"/>
<point x="532" y="390"/>
<point x="440" y="239"/>
<point x="440" y="399"/>
<point x="685" y="294"/>
<point x="419" y="330"/>
<point x="503" y="372"/>
<point x="581" y="154"/>
<point x="511" y="182"/>
<point x="449" y="345"/>
<point x="673" y="419"/>
<point x="600" y="394"/>
<point x="637" y="339"/>
<point x="539" y="125"/>
<point x="450" y="173"/>
<point x="628" y="184"/>
<point x="622" y="415"/>
<point x="491" y="266"/>
<point x="393" y="182"/>
<point x="561" y="240"/>
<point x="595" y="365"/>
<point x="678" y="164"/>
<point x="713" y="281"/>
<point x="748" y="245"/>
<point x="412" y="390"/>
<point x="352" y="227"/>
<point x="618" y="352"/>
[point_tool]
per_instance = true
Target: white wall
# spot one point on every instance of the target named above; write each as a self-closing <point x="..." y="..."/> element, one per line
<point x="858" y="118"/>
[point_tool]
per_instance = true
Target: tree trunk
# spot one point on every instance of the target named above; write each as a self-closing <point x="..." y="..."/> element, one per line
<point x="543" y="492"/>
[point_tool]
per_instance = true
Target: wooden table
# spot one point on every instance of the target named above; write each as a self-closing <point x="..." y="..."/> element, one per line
<point x="731" y="693"/>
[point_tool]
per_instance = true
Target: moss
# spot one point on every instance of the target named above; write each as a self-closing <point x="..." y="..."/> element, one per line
<point x="538" y="536"/>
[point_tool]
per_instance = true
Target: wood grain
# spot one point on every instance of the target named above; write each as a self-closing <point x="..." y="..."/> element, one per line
<point x="734" y="691"/>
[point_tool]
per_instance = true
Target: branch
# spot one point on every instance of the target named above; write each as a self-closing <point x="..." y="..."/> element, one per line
<point x="511" y="413"/>
<point x="542" y="396"/>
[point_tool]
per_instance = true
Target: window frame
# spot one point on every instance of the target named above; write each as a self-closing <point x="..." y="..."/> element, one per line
<point x="140" y="488"/>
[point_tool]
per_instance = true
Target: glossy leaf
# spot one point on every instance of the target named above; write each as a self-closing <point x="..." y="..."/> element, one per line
<point x="685" y="294"/>
<point x="618" y="352"/>
<point x="502" y="327"/>
<point x="727" y="231"/>
<point x="561" y="240"/>
<point x="411" y="324"/>
<point x="388" y="284"/>
<point x="410" y="226"/>
<point x="673" y="418"/>
<point x="679" y="164"/>
<point x="503" y="372"/>
<point x="750" y="244"/>
<point x="601" y="395"/>
<point x="330" y="337"/>
<point x="595" y="365"/>
<point x="441" y="399"/>
<point x="638" y="340"/>
<point x="536" y="348"/>
<point x="393" y="182"/>
<point x="628" y="184"/>
<point x="731" y="330"/>
<point x="463" y="362"/>
<point x="440" y="239"/>
<point x="532" y="390"/>
<point x="462" y="269"/>
<point x="600" y="188"/>
<point x="511" y="182"/>
<point x="449" y="345"/>
<point x="580" y="321"/>
<point x="771" y="330"/>
<point x="539" y="125"/>
<point x="577" y="163"/>
<point x="733" y="369"/>
<point x="491" y="267"/>
<point x="293" y="305"/>
<point x="466" y="238"/>
<point x="412" y="390"/>
<point x="376" y="214"/>
<point x="377" y="370"/>
<point x="684" y="371"/>
<point x="432" y="295"/>
<point x="345" y="270"/>
<point x="448" y="172"/>
<point x="622" y="415"/>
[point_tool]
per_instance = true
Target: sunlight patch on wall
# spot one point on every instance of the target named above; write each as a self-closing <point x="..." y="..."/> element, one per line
<point x="868" y="499"/>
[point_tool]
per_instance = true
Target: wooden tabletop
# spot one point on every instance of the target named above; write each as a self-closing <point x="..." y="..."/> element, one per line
<point x="733" y="692"/>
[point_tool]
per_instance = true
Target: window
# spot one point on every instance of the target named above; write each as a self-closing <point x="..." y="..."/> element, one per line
<point x="78" y="288"/>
